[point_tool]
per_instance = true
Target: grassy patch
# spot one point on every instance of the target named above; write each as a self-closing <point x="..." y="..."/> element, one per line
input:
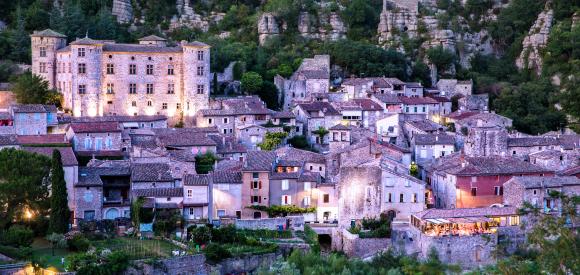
<point x="138" y="249"/>
<point x="42" y="251"/>
<point x="238" y="250"/>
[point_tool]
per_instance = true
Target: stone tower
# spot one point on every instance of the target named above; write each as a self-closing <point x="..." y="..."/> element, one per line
<point x="44" y="45"/>
<point x="196" y="77"/>
<point x="86" y="73"/>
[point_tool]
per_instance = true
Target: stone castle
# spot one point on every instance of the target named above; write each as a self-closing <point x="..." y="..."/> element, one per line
<point x="100" y="78"/>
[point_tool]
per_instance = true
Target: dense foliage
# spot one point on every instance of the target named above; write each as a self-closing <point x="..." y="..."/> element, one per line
<point x="282" y="210"/>
<point x="59" y="211"/>
<point x="272" y="140"/>
<point x="33" y="89"/>
<point x="204" y="163"/>
<point x="24" y="188"/>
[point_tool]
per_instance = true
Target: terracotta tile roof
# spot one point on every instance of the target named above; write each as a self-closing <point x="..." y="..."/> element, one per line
<point x="243" y="105"/>
<point x="281" y="176"/>
<point x="151" y="172"/>
<point x="466" y="212"/>
<point x="324" y="107"/>
<point x="152" y="38"/>
<point x="532" y="141"/>
<point x="196" y="180"/>
<point x="367" y="104"/>
<point x="417" y="100"/>
<point x="67" y="155"/>
<point x="158" y="192"/>
<point x="184" y="138"/>
<point x="182" y="155"/>
<point x="227" y="177"/>
<point x="546" y="182"/>
<point x="228" y="145"/>
<point x="569" y="142"/>
<point x="139" y="48"/>
<point x="570" y="171"/>
<point x="459" y="115"/>
<point x="43" y="139"/>
<point x="229" y="165"/>
<point x="455" y="164"/>
<point x="95" y="127"/>
<point x="283" y="114"/>
<point x="259" y="161"/>
<point x="307" y="176"/>
<point x="339" y="127"/>
<point x="291" y="153"/>
<point x="141" y="118"/>
<point x="434" y="139"/>
<point x="387" y="98"/>
<point x="426" y="125"/>
<point x="8" y="140"/>
<point x="32" y="108"/>
<point x="48" y="33"/>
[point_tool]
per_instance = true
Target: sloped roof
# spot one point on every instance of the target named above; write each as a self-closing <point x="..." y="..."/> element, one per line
<point x="466" y="212"/>
<point x="151" y="172"/>
<point x="417" y="100"/>
<point x="546" y="182"/>
<point x="152" y="38"/>
<point x="340" y="127"/>
<point x="291" y="153"/>
<point x="196" y="180"/>
<point x="95" y="127"/>
<point x="67" y="155"/>
<point x="325" y="107"/>
<point x="43" y="139"/>
<point x="259" y="161"/>
<point x="139" y="48"/>
<point x="158" y="192"/>
<point x="32" y="108"/>
<point x="456" y="164"/>
<point x="86" y="41"/>
<point x="532" y="141"/>
<point x="434" y="139"/>
<point x="48" y="33"/>
<point x="227" y="177"/>
<point x="195" y="44"/>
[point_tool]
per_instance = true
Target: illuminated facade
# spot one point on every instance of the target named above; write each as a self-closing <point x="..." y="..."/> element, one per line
<point x="100" y="78"/>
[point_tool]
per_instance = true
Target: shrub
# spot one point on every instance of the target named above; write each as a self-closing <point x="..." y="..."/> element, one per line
<point x="311" y="238"/>
<point x="201" y="235"/>
<point x="16" y="253"/>
<point x="79" y="243"/>
<point x="17" y="235"/>
<point x="214" y="253"/>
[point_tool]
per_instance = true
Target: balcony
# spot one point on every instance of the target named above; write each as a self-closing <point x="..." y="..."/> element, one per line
<point x="115" y="200"/>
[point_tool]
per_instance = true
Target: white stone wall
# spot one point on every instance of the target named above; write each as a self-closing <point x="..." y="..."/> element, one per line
<point x="30" y="124"/>
<point x="50" y="44"/>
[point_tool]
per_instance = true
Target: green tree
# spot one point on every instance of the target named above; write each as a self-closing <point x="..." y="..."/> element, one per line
<point x="441" y="57"/>
<point x="33" y="89"/>
<point x="251" y="82"/>
<point x="321" y="132"/>
<point x="59" y="211"/>
<point x="20" y="40"/>
<point x="272" y="141"/>
<point x="136" y="207"/>
<point x="204" y="163"/>
<point x="24" y="187"/>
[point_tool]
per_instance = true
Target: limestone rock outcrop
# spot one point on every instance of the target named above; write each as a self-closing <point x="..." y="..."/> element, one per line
<point x="267" y="27"/>
<point x="186" y="17"/>
<point x="123" y="10"/>
<point x="399" y="16"/>
<point x="329" y="26"/>
<point x="535" y="41"/>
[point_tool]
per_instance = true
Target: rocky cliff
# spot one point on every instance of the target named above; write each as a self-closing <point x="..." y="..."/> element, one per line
<point x="535" y="41"/>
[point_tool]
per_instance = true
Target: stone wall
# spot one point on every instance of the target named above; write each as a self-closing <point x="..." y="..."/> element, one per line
<point x="296" y="222"/>
<point x="353" y="246"/>
<point x="192" y="264"/>
<point x="246" y="264"/>
<point x="359" y="192"/>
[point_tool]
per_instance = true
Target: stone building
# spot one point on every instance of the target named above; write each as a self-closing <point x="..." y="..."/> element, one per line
<point x="315" y="115"/>
<point x="312" y="77"/>
<point x="486" y="141"/>
<point x="96" y="138"/>
<point x="460" y="181"/>
<point x="31" y="119"/>
<point x="99" y="78"/>
<point x="427" y="147"/>
<point x="227" y="193"/>
<point x="535" y="190"/>
<point x="256" y="182"/>
<point x="197" y="197"/>
<point x="454" y="87"/>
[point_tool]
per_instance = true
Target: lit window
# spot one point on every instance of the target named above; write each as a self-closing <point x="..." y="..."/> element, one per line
<point x="110" y="89"/>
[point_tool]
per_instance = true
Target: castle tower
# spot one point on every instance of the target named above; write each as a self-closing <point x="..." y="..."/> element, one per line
<point x="86" y="72"/>
<point x="44" y="45"/>
<point x="486" y="141"/>
<point x="196" y="77"/>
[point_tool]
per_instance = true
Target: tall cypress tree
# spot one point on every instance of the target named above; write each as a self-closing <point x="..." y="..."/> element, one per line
<point x="59" y="212"/>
